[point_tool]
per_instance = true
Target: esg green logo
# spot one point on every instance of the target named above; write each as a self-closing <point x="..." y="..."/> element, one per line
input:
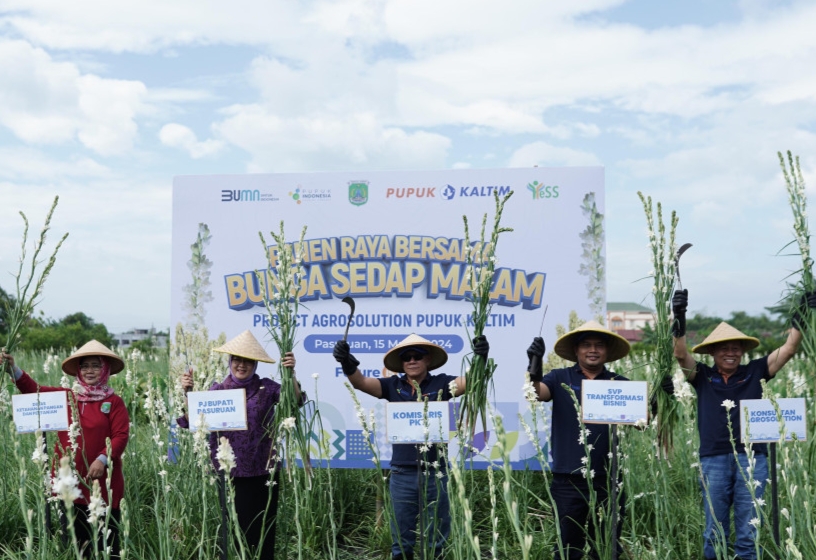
<point x="541" y="190"/>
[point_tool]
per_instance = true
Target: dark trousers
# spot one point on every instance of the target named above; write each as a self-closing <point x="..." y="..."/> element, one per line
<point x="84" y="531"/>
<point x="571" y="497"/>
<point x="252" y="498"/>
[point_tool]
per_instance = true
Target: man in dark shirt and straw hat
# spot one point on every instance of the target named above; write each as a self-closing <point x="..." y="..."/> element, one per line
<point x="728" y="482"/>
<point x="414" y="357"/>
<point x="591" y="346"/>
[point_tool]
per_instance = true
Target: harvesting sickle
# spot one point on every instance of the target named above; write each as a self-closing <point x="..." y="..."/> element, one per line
<point x="683" y="248"/>
<point x="350" y="301"/>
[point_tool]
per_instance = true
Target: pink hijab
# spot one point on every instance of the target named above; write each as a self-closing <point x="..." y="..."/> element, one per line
<point x="98" y="392"/>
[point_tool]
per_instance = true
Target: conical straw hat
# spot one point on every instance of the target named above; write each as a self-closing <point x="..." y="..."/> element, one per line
<point x="725" y="333"/>
<point x="70" y="365"/>
<point x="438" y="355"/>
<point x="245" y="345"/>
<point x="617" y="346"/>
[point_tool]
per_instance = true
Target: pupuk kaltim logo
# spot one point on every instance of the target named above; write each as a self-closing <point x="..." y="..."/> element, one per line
<point x="358" y="192"/>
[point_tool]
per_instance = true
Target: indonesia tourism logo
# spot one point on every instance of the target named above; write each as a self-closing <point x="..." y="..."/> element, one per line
<point x="541" y="191"/>
<point x="358" y="192"/>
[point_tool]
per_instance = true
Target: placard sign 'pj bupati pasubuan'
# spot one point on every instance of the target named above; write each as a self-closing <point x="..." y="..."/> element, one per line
<point x="393" y="241"/>
<point x="614" y="402"/>
<point x="221" y="410"/>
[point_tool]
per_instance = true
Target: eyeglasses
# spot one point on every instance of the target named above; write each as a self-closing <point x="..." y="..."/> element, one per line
<point x="239" y="359"/>
<point x="412" y="356"/>
<point x="94" y="367"/>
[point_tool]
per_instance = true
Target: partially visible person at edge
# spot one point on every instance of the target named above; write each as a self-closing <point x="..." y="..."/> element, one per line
<point x="254" y="454"/>
<point x="102" y="415"/>
<point x="415" y="357"/>
<point x="591" y="347"/>
<point x="724" y="484"/>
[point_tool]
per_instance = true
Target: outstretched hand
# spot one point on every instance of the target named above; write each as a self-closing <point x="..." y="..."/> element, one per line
<point x="535" y="353"/>
<point x="481" y="347"/>
<point x="342" y="353"/>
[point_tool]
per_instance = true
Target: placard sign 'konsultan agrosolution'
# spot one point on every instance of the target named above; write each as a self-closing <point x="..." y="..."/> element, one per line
<point x="222" y="410"/>
<point x="46" y="412"/>
<point x="409" y="422"/>
<point x="395" y="242"/>
<point x="614" y="402"/>
<point x="764" y="426"/>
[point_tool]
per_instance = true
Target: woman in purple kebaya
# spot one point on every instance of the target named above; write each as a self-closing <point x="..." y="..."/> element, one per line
<point x="254" y="454"/>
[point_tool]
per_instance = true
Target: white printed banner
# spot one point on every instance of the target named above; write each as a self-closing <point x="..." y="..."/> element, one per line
<point x="764" y="426"/>
<point x="46" y="412"/>
<point x="614" y="402"/>
<point x="394" y="241"/>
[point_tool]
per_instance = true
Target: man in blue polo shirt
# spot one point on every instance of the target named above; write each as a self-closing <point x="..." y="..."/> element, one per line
<point x="725" y="481"/>
<point x="415" y="357"/>
<point x="591" y="347"/>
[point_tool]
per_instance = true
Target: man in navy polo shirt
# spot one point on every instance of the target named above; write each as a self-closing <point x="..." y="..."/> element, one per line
<point x="591" y="347"/>
<point x="415" y="357"/>
<point x="725" y="480"/>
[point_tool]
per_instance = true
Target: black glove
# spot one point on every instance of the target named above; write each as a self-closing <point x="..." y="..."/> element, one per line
<point x="535" y="353"/>
<point x="808" y="300"/>
<point x="481" y="346"/>
<point x="679" y="307"/>
<point x="666" y="385"/>
<point x="342" y="354"/>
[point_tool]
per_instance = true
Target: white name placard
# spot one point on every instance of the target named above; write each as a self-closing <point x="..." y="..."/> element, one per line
<point x="405" y="422"/>
<point x="614" y="402"/>
<point x="47" y="412"/>
<point x="222" y="410"/>
<point x="763" y="423"/>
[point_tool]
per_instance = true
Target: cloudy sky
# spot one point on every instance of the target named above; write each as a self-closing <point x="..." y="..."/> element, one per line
<point x="103" y="103"/>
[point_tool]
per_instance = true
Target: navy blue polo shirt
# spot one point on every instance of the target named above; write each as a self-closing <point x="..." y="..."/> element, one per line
<point x="712" y="390"/>
<point x="398" y="389"/>
<point x="567" y="452"/>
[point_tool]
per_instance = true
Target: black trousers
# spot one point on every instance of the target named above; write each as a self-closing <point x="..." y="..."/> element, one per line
<point x="253" y="499"/>
<point x="571" y="496"/>
<point x="84" y="531"/>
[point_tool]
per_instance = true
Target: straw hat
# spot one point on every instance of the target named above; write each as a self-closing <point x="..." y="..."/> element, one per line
<point x="617" y="346"/>
<point x="725" y="333"/>
<point x="245" y="345"/>
<point x="70" y="365"/>
<point x="393" y="361"/>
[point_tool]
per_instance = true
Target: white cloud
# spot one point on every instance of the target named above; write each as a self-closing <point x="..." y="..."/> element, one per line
<point x="47" y="102"/>
<point x="545" y="155"/>
<point x="28" y="164"/>
<point x="179" y="136"/>
<point x="327" y="142"/>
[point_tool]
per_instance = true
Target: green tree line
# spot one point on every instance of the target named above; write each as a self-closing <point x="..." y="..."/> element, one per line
<point x="41" y="333"/>
<point x="770" y="328"/>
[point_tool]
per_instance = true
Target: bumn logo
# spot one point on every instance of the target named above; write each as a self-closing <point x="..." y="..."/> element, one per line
<point x="240" y="196"/>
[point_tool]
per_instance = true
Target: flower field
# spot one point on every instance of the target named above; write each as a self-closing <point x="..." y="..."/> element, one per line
<point x="171" y="508"/>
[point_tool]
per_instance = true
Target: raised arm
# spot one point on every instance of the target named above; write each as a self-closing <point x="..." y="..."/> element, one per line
<point x="784" y="353"/>
<point x="481" y="348"/>
<point x="535" y="368"/>
<point x="681" y="352"/>
<point x="369" y="385"/>
<point x="289" y="361"/>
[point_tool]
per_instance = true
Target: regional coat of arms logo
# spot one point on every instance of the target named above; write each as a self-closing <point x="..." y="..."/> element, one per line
<point x="358" y="192"/>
